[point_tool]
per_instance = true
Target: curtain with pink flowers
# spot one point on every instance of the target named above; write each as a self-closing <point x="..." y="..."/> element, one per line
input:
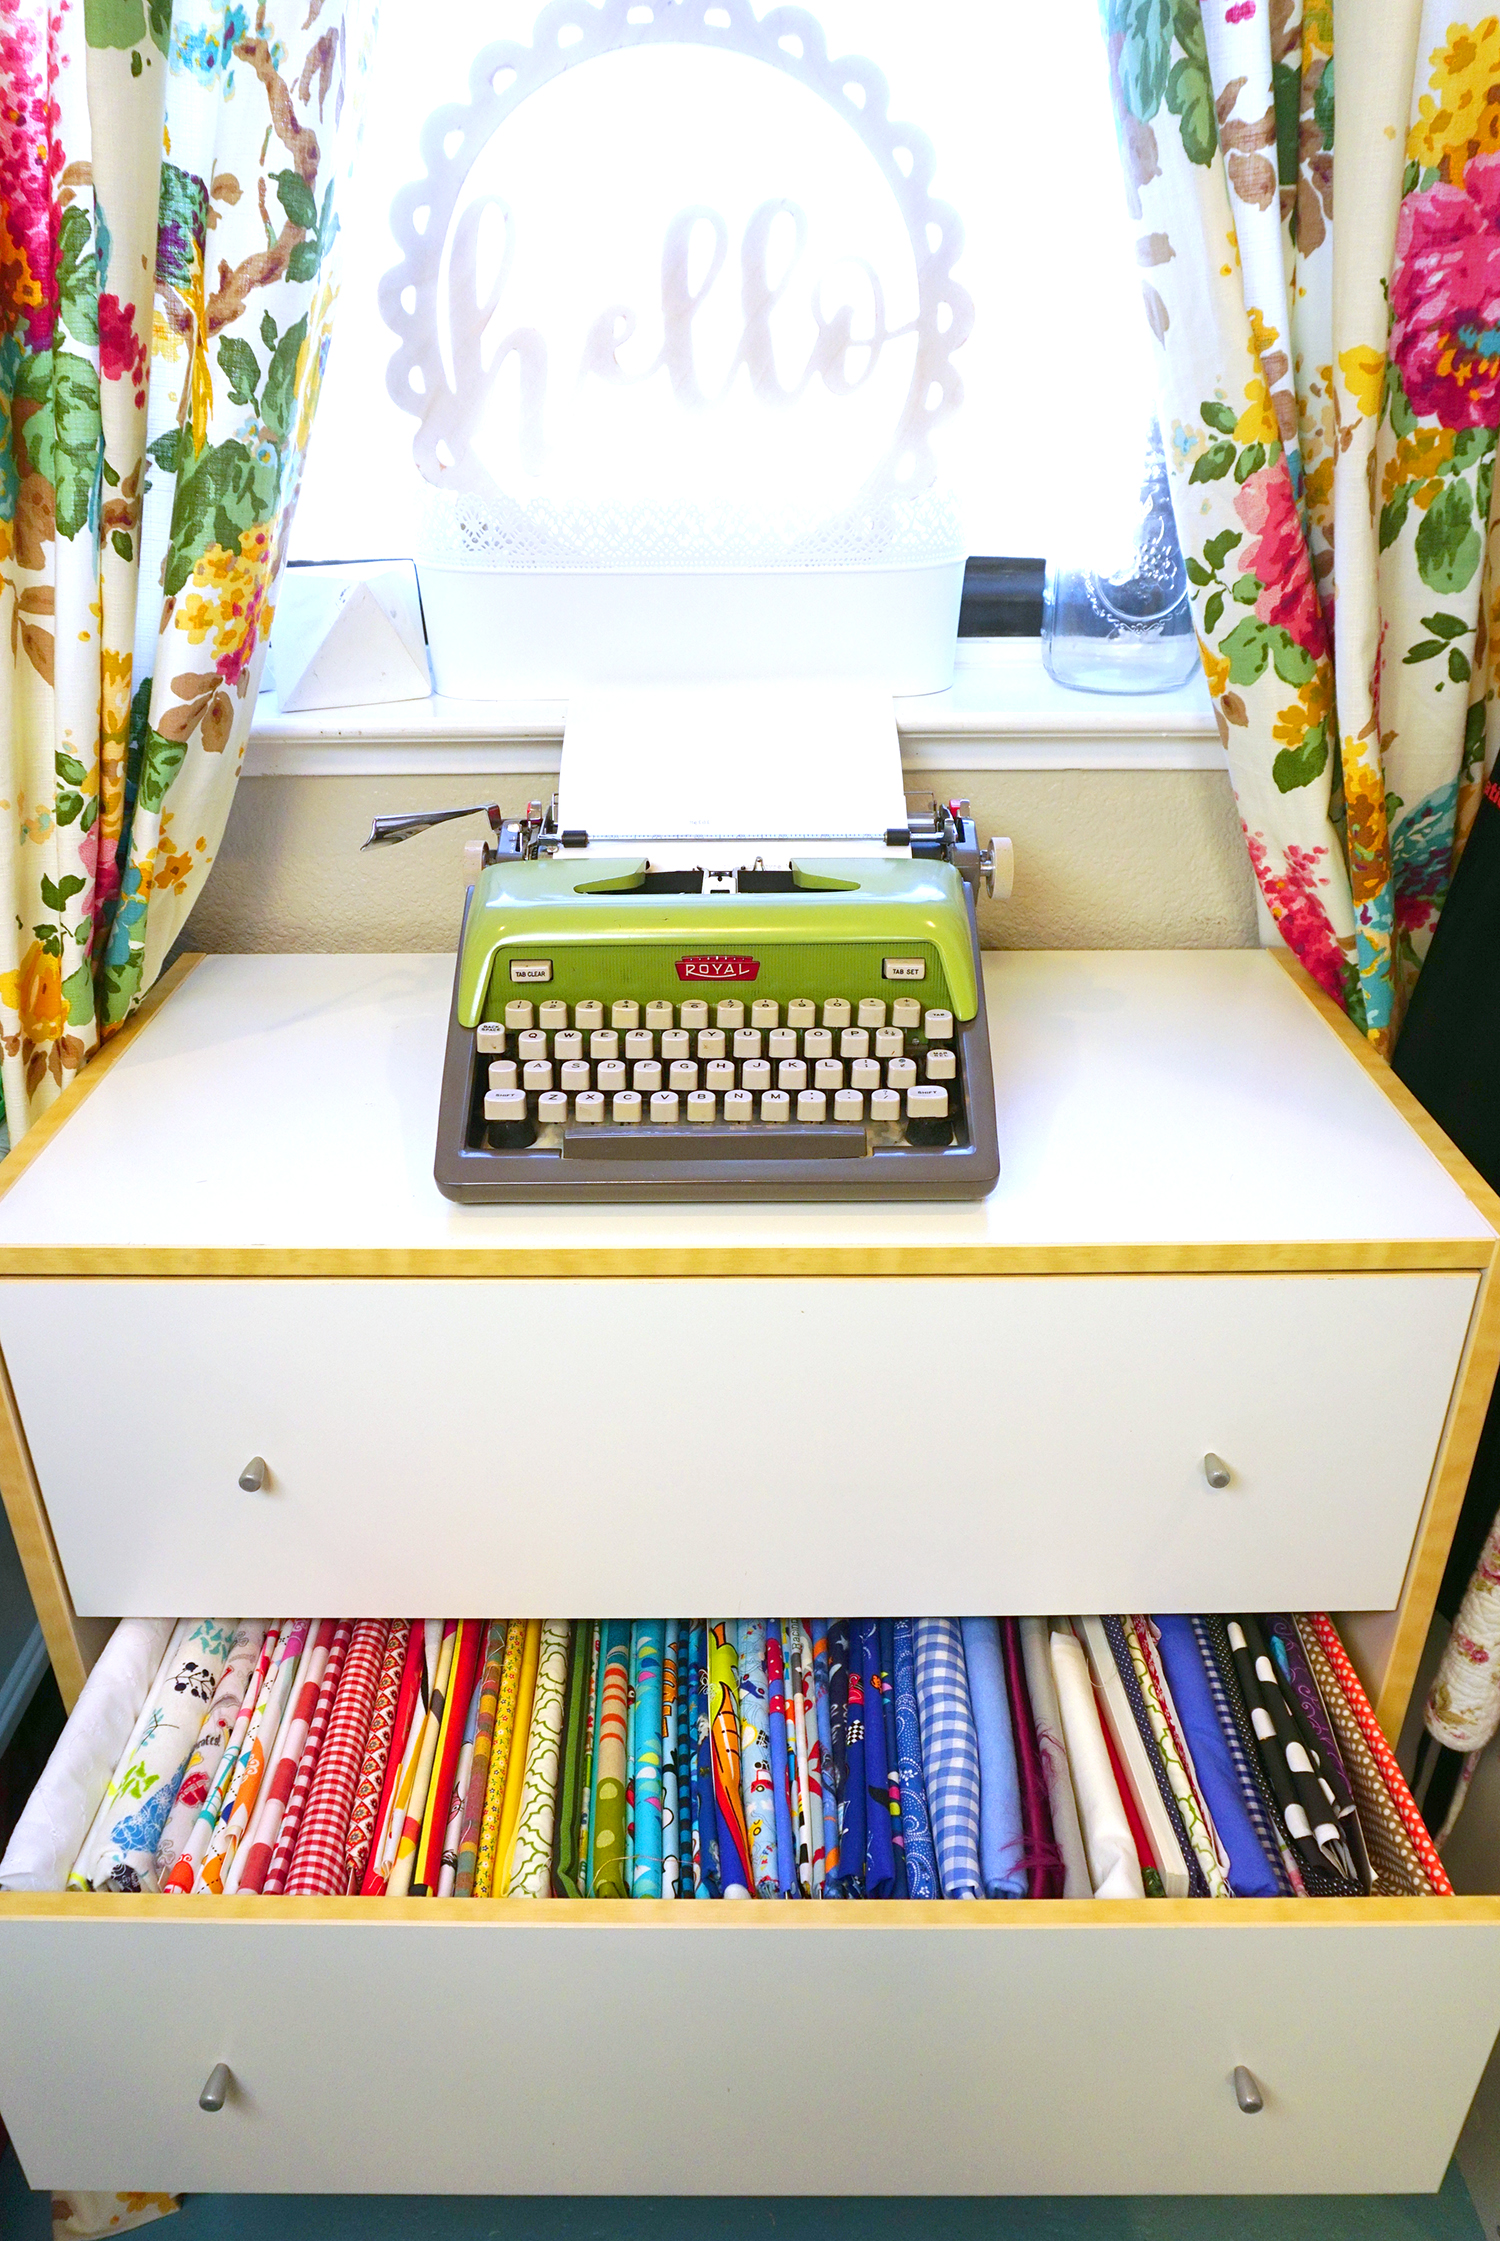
<point x="170" y="179"/>
<point x="1330" y="384"/>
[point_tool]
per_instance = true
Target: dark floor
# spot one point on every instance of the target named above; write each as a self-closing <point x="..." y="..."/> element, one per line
<point x="1448" y="2216"/>
<point x="25" y="1755"/>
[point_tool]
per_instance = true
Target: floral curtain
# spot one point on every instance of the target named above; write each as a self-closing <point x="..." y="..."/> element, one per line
<point x="170" y="178"/>
<point x="1331" y="390"/>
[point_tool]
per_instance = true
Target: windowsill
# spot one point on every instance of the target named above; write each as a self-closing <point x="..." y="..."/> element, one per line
<point x="1002" y="712"/>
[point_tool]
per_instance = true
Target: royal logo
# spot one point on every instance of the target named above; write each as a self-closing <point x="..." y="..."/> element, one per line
<point x="717" y="968"/>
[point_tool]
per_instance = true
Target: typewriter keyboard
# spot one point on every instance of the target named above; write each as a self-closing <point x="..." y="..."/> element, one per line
<point x="889" y="1068"/>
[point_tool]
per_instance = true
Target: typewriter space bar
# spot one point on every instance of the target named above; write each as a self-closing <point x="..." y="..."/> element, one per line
<point x="733" y="1140"/>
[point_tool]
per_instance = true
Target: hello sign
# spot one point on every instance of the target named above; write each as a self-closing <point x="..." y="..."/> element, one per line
<point x="672" y="253"/>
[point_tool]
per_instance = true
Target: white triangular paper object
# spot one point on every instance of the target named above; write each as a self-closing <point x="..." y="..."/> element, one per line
<point x="345" y="644"/>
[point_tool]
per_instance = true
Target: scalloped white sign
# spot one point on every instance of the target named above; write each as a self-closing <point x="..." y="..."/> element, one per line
<point x="674" y="277"/>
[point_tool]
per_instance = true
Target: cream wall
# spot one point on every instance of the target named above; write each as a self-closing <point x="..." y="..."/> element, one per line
<point x="1105" y="859"/>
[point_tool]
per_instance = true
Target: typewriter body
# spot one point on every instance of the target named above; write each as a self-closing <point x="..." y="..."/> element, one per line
<point x="728" y="1011"/>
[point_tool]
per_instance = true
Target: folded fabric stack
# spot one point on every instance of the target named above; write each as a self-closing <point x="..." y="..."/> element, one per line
<point x="1104" y="1757"/>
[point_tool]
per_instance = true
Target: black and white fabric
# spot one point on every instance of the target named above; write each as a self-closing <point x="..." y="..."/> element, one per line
<point x="1309" y="1882"/>
<point x="1305" y="1799"/>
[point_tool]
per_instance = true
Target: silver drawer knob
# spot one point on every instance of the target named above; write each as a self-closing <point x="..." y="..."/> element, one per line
<point x="253" y="1477"/>
<point x="1215" y="1470"/>
<point x="213" y="2095"/>
<point x="1246" y="2091"/>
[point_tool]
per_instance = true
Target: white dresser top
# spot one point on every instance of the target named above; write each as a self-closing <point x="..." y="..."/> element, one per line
<point x="1157" y="1109"/>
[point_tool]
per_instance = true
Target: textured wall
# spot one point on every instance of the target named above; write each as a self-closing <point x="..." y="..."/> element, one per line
<point x="1111" y="859"/>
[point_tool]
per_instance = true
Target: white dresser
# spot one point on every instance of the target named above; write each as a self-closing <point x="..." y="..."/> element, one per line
<point x="1220" y="1228"/>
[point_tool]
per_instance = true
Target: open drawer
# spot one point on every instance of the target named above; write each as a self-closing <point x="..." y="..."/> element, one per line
<point x="578" y="1443"/>
<point x="917" y="2048"/>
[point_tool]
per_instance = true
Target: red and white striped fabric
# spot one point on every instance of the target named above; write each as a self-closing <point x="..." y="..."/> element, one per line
<point x="1381" y="1752"/>
<point x="320" y="1864"/>
<point x="377" y="1751"/>
<point x="252" y="1863"/>
<point x="307" y="1765"/>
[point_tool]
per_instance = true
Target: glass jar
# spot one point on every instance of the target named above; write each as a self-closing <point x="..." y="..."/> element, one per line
<point x="1127" y="629"/>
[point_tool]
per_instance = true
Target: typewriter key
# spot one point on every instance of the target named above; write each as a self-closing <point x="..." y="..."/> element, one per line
<point x="509" y="1127"/>
<point x="927" y="1121"/>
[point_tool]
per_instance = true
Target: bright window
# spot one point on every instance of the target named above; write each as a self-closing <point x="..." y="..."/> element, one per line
<point x="598" y="167"/>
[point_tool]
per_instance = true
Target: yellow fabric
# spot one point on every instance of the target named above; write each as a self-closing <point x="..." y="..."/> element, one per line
<point x="515" y="1780"/>
<point x="88" y="2217"/>
<point x="505" y="1721"/>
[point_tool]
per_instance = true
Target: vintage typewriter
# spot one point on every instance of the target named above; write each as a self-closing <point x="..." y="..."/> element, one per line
<point x="626" y="1025"/>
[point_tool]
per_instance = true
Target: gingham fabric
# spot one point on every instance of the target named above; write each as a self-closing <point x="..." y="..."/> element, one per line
<point x="320" y="1864"/>
<point x="377" y="1750"/>
<point x="950" y="1754"/>
<point x="307" y="1765"/>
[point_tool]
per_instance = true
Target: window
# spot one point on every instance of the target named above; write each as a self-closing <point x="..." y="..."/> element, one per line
<point x="1042" y="456"/>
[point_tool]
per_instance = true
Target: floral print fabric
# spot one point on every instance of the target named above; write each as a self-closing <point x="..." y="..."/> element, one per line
<point x="170" y="174"/>
<point x="1331" y="436"/>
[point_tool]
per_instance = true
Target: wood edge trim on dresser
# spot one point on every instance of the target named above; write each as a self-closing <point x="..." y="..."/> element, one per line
<point x="1333" y="1256"/>
<point x="72" y="1643"/>
<point x="42" y="1130"/>
<point x="845" y="1917"/>
<point x="1388" y="1081"/>
<point x="1471" y="1394"/>
<point x="1390" y="1682"/>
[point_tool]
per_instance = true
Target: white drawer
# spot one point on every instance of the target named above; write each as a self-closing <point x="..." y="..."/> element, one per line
<point x="1021" y="2049"/>
<point x="615" y="1445"/>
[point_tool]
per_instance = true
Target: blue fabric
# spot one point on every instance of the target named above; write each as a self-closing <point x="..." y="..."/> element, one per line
<point x="950" y="1754"/>
<point x="892" y="1754"/>
<point x="855" y="1814"/>
<point x="838" y="1728"/>
<point x="819" y="1631"/>
<point x="705" y="1813"/>
<point x="786" y="1840"/>
<point x="686" y="1752"/>
<point x="1002" y="1841"/>
<point x="647" y="1652"/>
<point x="916" y="1829"/>
<point x="880" y="1870"/>
<point x="1251" y="1875"/>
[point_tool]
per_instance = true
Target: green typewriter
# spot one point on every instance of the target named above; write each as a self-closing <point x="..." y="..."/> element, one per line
<point x="622" y="1031"/>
